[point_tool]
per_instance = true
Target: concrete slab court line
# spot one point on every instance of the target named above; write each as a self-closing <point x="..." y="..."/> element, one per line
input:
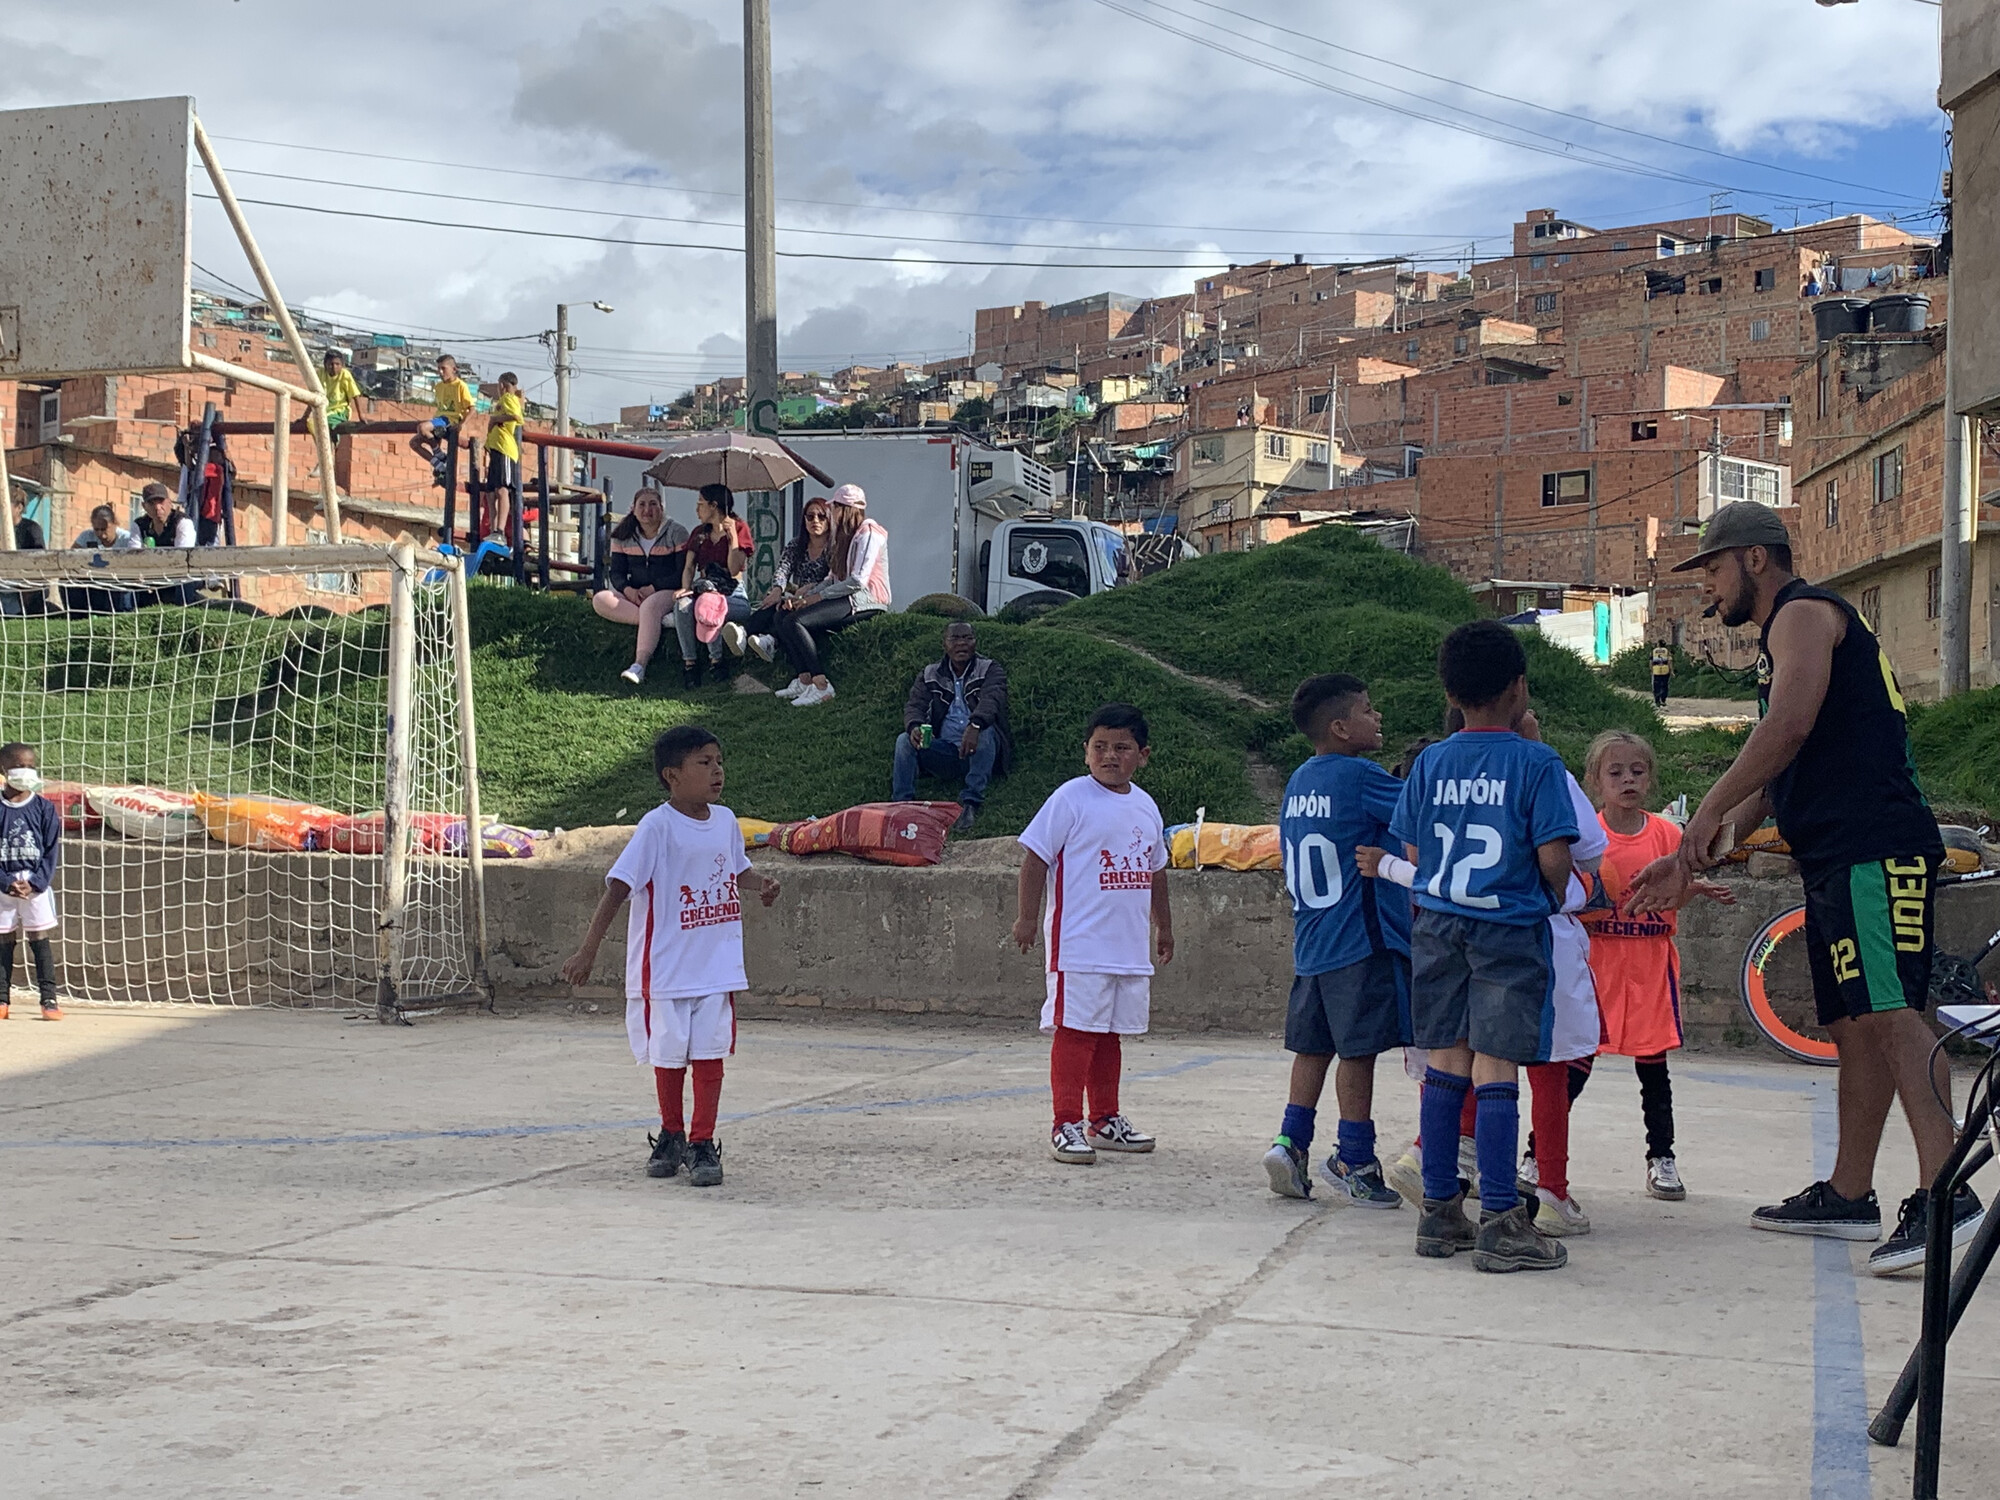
<point x="585" y="1127"/>
<point x="1079" y="1441"/>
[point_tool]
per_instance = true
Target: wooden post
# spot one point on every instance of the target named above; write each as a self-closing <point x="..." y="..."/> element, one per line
<point x="396" y="782"/>
<point x="281" y="471"/>
<point x="315" y="416"/>
<point x="468" y="740"/>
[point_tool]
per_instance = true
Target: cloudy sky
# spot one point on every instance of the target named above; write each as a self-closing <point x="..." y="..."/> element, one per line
<point x="937" y="158"/>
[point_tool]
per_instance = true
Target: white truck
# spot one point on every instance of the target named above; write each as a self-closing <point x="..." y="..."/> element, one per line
<point x="963" y="517"/>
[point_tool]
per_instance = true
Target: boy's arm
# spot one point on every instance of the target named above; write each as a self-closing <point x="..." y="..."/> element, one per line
<point x="766" y="886"/>
<point x="45" y="868"/>
<point x="1163" y="918"/>
<point x="1028" y="911"/>
<point x="1557" y="866"/>
<point x="579" y="964"/>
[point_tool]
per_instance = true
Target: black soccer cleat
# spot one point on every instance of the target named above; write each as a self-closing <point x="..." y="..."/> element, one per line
<point x="705" y="1164"/>
<point x="669" y="1151"/>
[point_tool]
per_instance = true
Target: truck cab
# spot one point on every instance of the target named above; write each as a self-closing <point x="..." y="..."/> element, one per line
<point x="1051" y="561"/>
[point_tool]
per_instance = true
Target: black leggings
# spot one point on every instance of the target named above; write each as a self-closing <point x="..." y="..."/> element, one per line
<point x="45" y="966"/>
<point x="1656" y="1101"/>
<point x="794" y="630"/>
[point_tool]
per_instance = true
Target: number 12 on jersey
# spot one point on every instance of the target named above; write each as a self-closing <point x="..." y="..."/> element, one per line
<point x="1469" y="864"/>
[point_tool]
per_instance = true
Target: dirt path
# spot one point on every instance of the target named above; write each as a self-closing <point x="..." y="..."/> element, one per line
<point x="1700" y="713"/>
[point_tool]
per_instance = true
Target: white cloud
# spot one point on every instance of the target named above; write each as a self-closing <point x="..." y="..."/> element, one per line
<point x="1052" y="111"/>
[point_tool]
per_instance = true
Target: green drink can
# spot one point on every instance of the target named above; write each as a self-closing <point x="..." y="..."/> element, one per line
<point x="923" y="737"/>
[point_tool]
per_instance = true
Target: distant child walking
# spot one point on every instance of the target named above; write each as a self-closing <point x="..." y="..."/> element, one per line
<point x="30" y="840"/>
<point x="1101" y="839"/>
<point x="1633" y="956"/>
<point x="1350" y="943"/>
<point x="683" y="945"/>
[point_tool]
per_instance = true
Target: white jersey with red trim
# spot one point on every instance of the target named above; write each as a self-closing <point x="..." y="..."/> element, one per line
<point x="1101" y="848"/>
<point x="684" y="932"/>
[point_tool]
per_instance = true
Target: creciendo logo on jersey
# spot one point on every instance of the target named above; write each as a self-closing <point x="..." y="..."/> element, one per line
<point x="1130" y="871"/>
<point x="713" y="904"/>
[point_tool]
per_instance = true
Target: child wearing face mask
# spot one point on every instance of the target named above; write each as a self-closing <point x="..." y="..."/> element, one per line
<point x="30" y="831"/>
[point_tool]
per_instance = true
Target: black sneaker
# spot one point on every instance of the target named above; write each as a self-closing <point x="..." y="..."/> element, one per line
<point x="690" y="675"/>
<point x="705" y="1164"/>
<point x="669" y="1149"/>
<point x="1510" y="1242"/>
<point x="1905" y="1248"/>
<point x="1820" y="1210"/>
<point x="968" y="813"/>
<point x="719" y="672"/>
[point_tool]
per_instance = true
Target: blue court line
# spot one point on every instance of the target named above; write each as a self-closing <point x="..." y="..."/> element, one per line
<point x="488" y="1132"/>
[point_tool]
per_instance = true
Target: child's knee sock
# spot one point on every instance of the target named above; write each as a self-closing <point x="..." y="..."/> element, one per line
<point x="1656" y="1104"/>
<point x="1357" y="1143"/>
<point x="45" y="974"/>
<point x="707" y="1097"/>
<point x="1549" y="1108"/>
<point x="1579" y="1075"/>
<point x="670" y="1084"/>
<point x="1070" y="1057"/>
<point x="1499" y="1136"/>
<point x="1444" y="1098"/>
<point x="1106" y="1059"/>
<point x="1301" y="1121"/>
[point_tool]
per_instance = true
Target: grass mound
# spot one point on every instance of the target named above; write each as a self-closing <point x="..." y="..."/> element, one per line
<point x="1957" y="745"/>
<point x="564" y="742"/>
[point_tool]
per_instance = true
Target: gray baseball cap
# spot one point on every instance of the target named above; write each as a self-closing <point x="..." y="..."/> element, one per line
<point x="1741" y="523"/>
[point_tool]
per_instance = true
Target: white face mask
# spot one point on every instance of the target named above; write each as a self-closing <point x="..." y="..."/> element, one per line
<point x="24" y="779"/>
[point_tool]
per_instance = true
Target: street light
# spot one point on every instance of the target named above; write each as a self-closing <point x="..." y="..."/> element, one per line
<point x="565" y="345"/>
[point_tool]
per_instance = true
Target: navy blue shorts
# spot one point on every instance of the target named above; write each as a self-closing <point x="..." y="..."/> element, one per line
<point x="1486" y="983"/>
<point x="1358" y="1011"/>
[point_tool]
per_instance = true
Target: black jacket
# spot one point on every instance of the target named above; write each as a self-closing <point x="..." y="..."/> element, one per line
<point x="985" y="695"/>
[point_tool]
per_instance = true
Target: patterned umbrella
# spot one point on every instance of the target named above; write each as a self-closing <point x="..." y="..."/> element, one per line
<point x="740" y="460"/>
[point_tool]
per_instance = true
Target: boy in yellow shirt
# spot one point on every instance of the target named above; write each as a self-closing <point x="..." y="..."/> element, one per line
<point x="503" y="451"/>
<point x="337" y="381"/>
<point x="438" y="438"/>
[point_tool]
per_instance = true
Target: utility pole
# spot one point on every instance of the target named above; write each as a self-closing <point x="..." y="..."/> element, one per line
<point x="1961" y="490"/>
<point x="562" y="369"/>
<point x="760" y="260"/>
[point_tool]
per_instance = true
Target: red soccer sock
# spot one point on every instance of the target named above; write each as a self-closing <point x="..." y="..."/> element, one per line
<point x="1070" y="1057"/>
<point x="1105" y="1064"/>
<point x="1468" y="1118"/>
<point x="669" y="1083"/>
<point x="1549" y="1084"/>
<point x="707" y="1097"/>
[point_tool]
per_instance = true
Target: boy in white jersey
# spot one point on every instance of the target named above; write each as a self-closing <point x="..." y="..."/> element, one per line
<point x="1101" y="838"/>
<point x="683" y="945"/>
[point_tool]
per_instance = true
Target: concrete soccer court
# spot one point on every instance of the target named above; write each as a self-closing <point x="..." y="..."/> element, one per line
<point x="301" y="1254"/>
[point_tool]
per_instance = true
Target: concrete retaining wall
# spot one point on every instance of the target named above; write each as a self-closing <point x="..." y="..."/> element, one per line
<point x="851" y="936"/>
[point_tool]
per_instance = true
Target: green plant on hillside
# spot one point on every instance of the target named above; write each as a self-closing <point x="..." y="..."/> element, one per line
<point x="1693" y="678"/>
<point x="1957" y="745"/>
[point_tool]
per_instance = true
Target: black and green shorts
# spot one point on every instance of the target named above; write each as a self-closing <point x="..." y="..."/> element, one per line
<point x="1868" y="936"/>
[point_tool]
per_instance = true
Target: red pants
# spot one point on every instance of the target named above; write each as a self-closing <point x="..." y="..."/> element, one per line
<point x="1080" y="1060"/>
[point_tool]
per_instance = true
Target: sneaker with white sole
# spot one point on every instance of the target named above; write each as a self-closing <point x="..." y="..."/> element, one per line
<point x="1067" y="1144"/>
<point x="1663" y="1179"/>
<point x="1361" y="1187"/>
<point x="1116" y="1133"/>
<point x="1468" y="1165"/>
<point x="1559" y="1216"/>
<point x="1285" y="1164"/>
<point x="1820" y="1210"/>
<point x="733" y="637"/>
<point x="1528" y="1177"/>
<point x="634" y="674"/>
<point x="791" y="690"/>
<point x="1406" y="1176"/>
<point x="1904" y="1250"/>
<point x="764" y="645"/>
<point x="813" y="696"/>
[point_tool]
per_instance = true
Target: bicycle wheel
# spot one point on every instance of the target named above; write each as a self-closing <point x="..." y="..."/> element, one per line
<point x="1777" y="990"/>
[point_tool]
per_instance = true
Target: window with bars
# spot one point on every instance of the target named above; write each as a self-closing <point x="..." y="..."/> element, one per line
<point x="1316" y="453"/>
<point x="1933" y="593"/>
<point x="1871" y="608"/>
<point x="1277" y="445"/>
<point x="1741" y="479"/>
<point x="1889" y="476"/>
<point x="1545" y="302"/>
<point x="1760" y="330"/>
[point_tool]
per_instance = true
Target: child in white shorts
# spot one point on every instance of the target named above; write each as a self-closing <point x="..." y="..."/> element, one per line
<point x="30" y="840"/>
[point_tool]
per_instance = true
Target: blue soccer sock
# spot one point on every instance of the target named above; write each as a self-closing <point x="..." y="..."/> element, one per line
<point x="1357" y="1143"/>
<point x="1499" y="1137"/>
<point x="1444" y="1097"/>
<point x="1298" y="1126"/>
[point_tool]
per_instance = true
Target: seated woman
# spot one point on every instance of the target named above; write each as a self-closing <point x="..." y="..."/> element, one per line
<point x="857" y="586"/>
<point x="104" y="533"/>
<point x="803" y="567"/>
<point x="718" y="550"/>
<point x="644" y="572"/>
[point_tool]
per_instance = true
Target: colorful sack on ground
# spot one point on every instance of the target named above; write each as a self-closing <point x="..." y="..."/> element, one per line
<point x="1766" y="840"/>
<point x="74" y="806"/>
<point x="1226" y="846"/>
<point x="887" y="833"/>
<point x="272" y="824"/>
<point x="505" y="841"/>
<point x="756" y="832"/>
<point x="144" y="812"/>
<point x="430" y="833"/>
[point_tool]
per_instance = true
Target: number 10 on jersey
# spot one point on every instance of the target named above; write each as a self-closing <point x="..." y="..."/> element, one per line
<point x="1312" y="872"/>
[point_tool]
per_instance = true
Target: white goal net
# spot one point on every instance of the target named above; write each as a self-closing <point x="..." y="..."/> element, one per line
<point x="246" y="817"/>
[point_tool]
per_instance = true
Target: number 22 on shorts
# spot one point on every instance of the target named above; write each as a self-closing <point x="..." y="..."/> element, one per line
<point x="1846" y="965"/>
<point x="1483" y="858"/>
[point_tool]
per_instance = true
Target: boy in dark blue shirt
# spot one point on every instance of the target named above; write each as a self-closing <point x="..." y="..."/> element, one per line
<point x="1487" y="819"/>
<point x="30" y="832"/>
<point x="1350" y="942"/>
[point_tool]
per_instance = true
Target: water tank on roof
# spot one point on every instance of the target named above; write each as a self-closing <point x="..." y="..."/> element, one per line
<point x="1901" y="312"/>
<point x="1833" y="316"/>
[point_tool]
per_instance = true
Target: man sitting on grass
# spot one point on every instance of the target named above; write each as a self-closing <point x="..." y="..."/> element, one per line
<point x="955" y="725"/>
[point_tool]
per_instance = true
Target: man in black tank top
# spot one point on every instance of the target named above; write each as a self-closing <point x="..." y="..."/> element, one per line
<point x="1830" y="760"/>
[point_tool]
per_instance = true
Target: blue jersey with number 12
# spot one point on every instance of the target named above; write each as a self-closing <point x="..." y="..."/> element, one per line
<point x="1477" y="806"/>
<point x="1332" y="803"/>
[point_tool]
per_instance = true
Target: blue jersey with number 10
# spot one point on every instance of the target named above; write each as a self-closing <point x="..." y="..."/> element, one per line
<point x="1332" y="803"/>
<point x="1477" y="806"/>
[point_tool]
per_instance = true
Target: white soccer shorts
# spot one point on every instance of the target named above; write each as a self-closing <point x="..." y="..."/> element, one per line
<point x="1578" y="1028"/>
<point x="36" y="913"/>
<point x="1098" y="1002"/>
<point x="668" y="1033"/>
